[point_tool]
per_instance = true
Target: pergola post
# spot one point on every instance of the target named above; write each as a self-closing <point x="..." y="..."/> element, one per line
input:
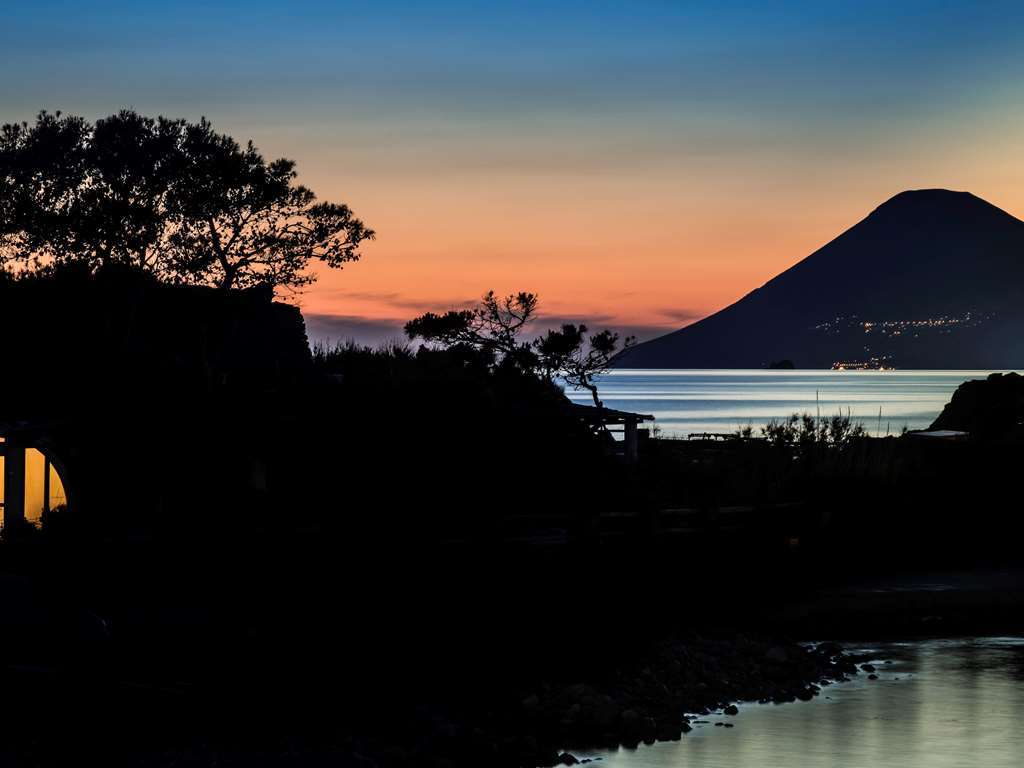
<point x="631" y="440"/>
<point x="14" y="481"/>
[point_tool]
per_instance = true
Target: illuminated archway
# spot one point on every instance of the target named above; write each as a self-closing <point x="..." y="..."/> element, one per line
<point x="41" y="486"/>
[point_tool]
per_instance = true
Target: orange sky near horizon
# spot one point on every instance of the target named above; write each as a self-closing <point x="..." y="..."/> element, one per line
<point x="642" y="250"/>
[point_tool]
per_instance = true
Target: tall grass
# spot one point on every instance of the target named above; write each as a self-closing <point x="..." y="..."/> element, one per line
<point x="807" y="431"/>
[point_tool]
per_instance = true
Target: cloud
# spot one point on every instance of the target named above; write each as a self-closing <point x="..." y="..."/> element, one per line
<point x="364" y="330"/>
<point x="376" y="330"/>
<point x="403" y="302"/>
<point x="381" y="296"/>
<point x="681" y="314"/>
<point x="407" y="306"/>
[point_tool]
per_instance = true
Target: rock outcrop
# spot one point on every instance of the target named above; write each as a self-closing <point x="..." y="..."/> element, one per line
<point x="989" y="409"/>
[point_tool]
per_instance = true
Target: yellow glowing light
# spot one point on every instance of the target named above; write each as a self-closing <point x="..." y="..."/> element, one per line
<point x="36" y="468"/>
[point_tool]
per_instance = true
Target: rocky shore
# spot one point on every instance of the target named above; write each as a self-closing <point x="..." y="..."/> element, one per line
<point x="679" y="682"/>
<point x="684" y="680"/>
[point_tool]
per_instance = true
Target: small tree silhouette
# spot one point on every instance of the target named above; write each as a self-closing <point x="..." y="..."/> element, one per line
<point x="493" y="329"/>
<point x="578" y="358"/>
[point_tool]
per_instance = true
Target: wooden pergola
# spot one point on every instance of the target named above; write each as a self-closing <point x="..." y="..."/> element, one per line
<point x="606" y="419"/>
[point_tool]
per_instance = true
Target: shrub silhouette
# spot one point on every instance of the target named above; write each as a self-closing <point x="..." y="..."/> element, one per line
<point x="805" y="432"/>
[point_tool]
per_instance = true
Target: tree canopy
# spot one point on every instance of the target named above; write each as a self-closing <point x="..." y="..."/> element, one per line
<point x="170" y="197"/>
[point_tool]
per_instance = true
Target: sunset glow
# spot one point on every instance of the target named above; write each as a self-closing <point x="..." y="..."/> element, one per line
<point x="637" y="164"/>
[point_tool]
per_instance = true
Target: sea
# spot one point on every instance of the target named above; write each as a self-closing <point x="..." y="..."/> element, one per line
<point x="949" y="703"/>
<point x="692" y="402"/>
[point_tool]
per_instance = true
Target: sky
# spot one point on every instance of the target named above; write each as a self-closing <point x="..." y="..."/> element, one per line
<point x="637" y="164"/>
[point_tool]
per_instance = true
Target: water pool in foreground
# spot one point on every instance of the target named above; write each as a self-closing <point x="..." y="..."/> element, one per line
<point x="939" y="703"/>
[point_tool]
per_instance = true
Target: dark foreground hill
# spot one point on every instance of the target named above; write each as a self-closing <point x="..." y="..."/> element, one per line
<point x="930" y="279"/>
<point x="379" y="558"/>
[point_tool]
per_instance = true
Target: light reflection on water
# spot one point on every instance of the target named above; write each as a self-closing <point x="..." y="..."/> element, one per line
<point x="686" y="401"/>
<point x="956" y="703"/>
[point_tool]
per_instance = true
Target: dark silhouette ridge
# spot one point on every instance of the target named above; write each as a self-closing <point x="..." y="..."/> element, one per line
<point x="389" y="552"/>
<point x="938" y="276"/>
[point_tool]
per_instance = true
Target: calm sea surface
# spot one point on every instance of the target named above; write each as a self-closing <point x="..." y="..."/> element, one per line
<point x="939" y="704"/>
<point x="688" y="401"/>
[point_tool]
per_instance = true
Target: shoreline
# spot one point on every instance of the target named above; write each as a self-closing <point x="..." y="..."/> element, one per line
<point x="687" y="679"/>
<point x="659" y="693"/>
<point x="924" y="695"/>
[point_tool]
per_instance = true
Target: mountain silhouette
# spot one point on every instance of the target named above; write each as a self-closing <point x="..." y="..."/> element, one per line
<point x="930" y="279"/>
